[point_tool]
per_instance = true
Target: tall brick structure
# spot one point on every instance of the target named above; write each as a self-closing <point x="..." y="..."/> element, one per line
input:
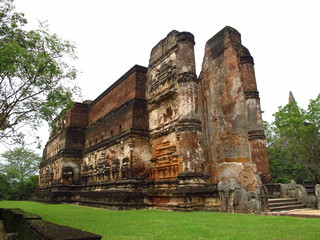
<point x="231" y="115"/>
<point x="174" y="122"/>
<point x="163" y="137"/>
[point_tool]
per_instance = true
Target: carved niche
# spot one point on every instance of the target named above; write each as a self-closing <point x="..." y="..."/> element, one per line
<point x="165" y="161"/>
<point x="162" y="80"/>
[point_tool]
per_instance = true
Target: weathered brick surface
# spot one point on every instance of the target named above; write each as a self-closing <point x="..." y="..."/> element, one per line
<point x="166" y="125"/>
<point x="173" y="118"/>
<point x="78" y="115"/>
<point x="231" y="115"/>
<point x="119" y="93"/>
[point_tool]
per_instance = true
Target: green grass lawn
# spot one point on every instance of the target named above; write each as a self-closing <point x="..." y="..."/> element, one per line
<point x="156" y="224"/>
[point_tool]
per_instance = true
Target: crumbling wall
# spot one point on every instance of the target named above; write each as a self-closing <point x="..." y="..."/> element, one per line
<point x="160" y="132"/>
<point x="231" y="115"/>
<point x="172" y="105"/>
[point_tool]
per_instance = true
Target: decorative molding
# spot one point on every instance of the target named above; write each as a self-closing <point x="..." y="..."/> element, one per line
<point x="251" y="95"/>
<point x="190" y="124"/>
<point x="246" y="59"/>
<point x="163" y="132"/>
<point x="162" y="58"/>
<point x="164" y="95"/>
<point x="118" y="138"/>
<point x="187" y="77"/>
<point x="256" y="134"/>
<point x="62" y="153"/>
<point x="185" y="37"/>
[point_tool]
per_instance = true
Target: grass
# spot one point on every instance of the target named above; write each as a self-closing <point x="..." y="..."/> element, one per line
<point x="156" y="224"/>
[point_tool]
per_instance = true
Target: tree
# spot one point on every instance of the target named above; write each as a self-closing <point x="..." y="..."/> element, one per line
<point x="19" y="168"/>
<point x="35" y="76"/>
<point x="294" y="142"/>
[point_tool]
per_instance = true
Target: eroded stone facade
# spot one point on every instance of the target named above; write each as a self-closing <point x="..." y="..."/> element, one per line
<point x="161" y="136"/>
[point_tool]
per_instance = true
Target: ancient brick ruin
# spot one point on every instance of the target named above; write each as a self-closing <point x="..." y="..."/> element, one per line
<point x="163" y="137"/>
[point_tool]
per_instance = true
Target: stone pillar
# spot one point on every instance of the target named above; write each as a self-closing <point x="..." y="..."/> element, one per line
<point x="189" y="125"/>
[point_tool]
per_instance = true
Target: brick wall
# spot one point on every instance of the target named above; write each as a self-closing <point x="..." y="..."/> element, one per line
<point x="118" y="94"/>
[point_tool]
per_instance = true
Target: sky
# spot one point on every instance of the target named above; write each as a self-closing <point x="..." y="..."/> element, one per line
<point x="112" y="36"/>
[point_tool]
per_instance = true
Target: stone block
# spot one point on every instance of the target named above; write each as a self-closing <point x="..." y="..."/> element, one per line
<point x="228" y="170"/>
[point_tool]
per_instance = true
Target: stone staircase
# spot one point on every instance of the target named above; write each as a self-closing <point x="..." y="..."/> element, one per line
<point x="285" y="204"/>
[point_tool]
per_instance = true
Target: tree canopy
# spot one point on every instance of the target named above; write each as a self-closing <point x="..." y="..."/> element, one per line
<point x="294" y="143"/>
<point x="35" y="74"/>
<point x="18" y="173"/>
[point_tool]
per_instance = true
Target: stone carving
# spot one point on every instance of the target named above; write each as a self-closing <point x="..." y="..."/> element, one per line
<point x="166" y="72"/>
<point x="227" y="195"/>
<point x="317" y="191"/>
<point x="299" y="192"/>
<point x="228" y="171"/>
<point x="248" y="177"/>
<point x="264" y="203"/>
<point x="166" y="163"/>
<point x="235" y="198"/>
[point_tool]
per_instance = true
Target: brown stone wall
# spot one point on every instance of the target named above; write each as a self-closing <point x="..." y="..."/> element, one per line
<point x="112" y="125"/>
<point x="230" y="105"/>
<point x="126" y="157"/>
<point x="55" y="145"/>
<point x="118" y="94"/>
<point x="62" y="169"/>
<point x="150" y="138"/>
<point x="77" y="116"/>
<point x="173" y="109"/>
<point x="140" y="115"/>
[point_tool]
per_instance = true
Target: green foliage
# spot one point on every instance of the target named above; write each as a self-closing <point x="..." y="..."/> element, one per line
<point x="35" y="76"/>
<point x="18" y="177"/>
<point x="293" y="143"/>
<point x="156" y="224"/>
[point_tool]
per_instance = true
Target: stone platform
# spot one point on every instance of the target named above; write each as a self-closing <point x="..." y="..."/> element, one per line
<point x="310" y="213"/>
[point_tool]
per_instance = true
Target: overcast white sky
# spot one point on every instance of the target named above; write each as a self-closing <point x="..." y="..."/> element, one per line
<point x="112" y="36"/>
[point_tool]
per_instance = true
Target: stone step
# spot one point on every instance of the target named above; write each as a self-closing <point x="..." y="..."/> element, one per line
<point x="271" y="200"/>
<point x="284" y="204"/>
<point x="286" y="208"/>
<point x="275" y="204"/>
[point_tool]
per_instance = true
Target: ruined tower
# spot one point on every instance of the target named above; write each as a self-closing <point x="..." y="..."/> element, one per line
<point x="172" y="87"/>
<point x="230" y="106"/>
